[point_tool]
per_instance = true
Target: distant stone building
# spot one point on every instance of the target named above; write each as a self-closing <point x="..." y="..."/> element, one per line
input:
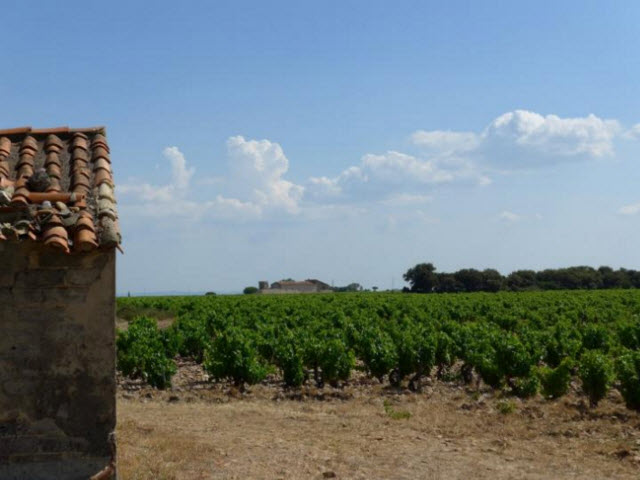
<point x="58" y="235"/>
<point x="306" y="286"/>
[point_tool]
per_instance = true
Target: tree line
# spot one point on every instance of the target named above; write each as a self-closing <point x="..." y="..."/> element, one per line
<point x="423" y="278"/>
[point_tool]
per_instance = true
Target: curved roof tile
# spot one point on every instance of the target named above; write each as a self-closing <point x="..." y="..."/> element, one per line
<point x="77" y="211"/>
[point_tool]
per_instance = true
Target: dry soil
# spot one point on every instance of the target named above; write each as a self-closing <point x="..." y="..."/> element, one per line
<point x="200" y="430"/>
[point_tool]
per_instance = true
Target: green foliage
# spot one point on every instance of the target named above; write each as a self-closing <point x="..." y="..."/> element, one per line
<point x="525" y="387"/>
<point x="555" y="381"/>
<point x="479" y="350"/>
<point x="445" y="352"/>
<point x="629" y="333"/>
<point x="628" y="370"/>
<point x="596" y="337"/>
<point x="415" y="350"/>
<point x="421" y="278"/>
<point x="596" y="373"/>
<point x="506" y="339"/>
<point x="190" y="337"/>
<point x="250" y="290"/>
<point x="562" y="341"/>
<point x="142" y="353"/>
<point x="233" y="355"/>
<point x="289" y="357"/>
<point x="337" y="361"/>
<point x="377" y="350"/>
<point x="512" y="358"/>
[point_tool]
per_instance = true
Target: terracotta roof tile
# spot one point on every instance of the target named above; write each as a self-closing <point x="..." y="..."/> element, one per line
<point x="85" y="233"/>
<point x="55" y="235"/>
<point x="99" y="140"/>
<point x="5" y="146"/>
<point x="29" y="143"/>
<point x="103" y="176"/>
<point x="77" y="211"/>
<point x="15" y="131"/>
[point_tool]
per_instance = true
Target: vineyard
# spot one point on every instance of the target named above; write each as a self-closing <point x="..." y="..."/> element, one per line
<point x="522" y="344"/>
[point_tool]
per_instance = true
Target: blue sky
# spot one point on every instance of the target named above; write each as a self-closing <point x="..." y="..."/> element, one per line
<point x="345" y="140"/>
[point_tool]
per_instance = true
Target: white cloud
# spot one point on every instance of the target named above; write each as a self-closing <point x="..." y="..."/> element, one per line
<point x="254" y="186"/>
<point x="257" y="169"/>
<point x="522" y="138"/>
<point x="445" y="141"/>
<point x="535" y="137"/>
<point x="632" y="209"/>
<point x="509" y="216"/>
<point x="181" y="174"/>
<point x="379" y="177"/>
<point x="176" y="188"/>
<point x="396" y="167"/>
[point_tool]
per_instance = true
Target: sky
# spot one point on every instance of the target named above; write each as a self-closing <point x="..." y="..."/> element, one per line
<point x="344" y="140"/>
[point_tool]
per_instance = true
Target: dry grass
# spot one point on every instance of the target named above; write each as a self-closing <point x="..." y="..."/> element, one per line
<point x="213" y="434"/>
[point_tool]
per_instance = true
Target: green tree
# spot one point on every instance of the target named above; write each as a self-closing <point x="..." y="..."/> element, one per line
<point x="422" y="278"/>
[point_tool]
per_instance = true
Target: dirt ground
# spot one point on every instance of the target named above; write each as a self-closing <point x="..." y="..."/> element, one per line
<point x="200" y="430"/>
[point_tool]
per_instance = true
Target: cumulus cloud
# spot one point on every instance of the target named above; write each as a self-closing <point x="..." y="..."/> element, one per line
<point x="381" y="176"/>
<point x="632" y="209"/>
<point x="522" y="139"/>
<point x="176" y="188"/>
<point x="256" y="186"/>
<point x="257" y="170"/>
<point x="253" y="187"/>
<point x="529" y="136"/>
<point x="181" y="175"/>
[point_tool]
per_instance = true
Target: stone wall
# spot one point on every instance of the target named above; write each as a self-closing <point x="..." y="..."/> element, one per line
<point x="57" y="362"/>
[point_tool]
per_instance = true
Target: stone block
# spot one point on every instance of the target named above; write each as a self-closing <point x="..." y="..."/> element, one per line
<point x="64" y="296"/>
<point x="40" y="278"/>
<point x="82" y="276"/>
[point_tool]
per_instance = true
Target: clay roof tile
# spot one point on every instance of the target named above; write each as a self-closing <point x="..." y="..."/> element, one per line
<point x="29" y="143"/>
<point x="5" y="146"/>
<point x="77" y="161"/>
<point x="103" y="176"/>
<point x="100" y="152"/>
<point x="53" y="143"/>
<point x="99" y="140"/>
<point x="79" y="140"/>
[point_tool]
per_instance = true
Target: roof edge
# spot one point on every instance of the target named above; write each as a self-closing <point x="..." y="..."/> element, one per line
<point x="55" y="130"/>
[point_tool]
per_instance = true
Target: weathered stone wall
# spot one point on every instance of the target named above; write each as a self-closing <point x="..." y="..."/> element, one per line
<point x="57" y="362"/>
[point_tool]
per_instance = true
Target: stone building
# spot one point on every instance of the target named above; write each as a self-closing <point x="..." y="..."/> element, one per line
<point x="284" y="286"/>
<point x="58" y="236"/>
